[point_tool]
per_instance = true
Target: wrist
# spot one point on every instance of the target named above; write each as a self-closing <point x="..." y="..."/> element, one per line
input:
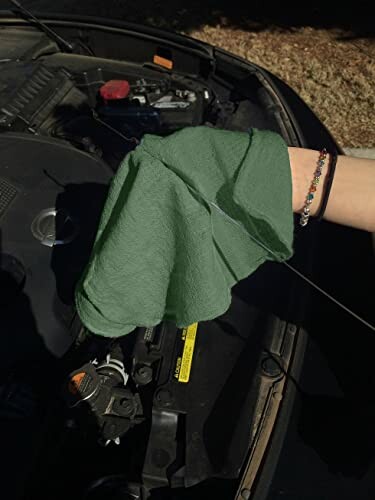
<point x="303" y="165"/>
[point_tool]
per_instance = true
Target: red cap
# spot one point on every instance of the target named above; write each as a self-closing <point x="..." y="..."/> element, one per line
<point x="114" y="90"/>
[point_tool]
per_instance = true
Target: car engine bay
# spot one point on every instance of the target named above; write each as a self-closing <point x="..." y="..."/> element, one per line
<point x="66" y="123"/>
<point x="70" y="131"/>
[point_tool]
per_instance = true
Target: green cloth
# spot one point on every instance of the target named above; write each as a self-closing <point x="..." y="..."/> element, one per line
<point x="177" y="228"/>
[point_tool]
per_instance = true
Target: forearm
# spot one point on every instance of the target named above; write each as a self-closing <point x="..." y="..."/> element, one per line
<point x="352" y="198"/>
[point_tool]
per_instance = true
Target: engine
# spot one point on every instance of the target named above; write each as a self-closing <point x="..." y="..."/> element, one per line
<point x="103" y="113"/>
<point x="62" y="135"/>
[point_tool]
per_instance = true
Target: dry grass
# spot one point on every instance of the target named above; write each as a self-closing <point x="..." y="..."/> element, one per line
<point x="336" y="77"/>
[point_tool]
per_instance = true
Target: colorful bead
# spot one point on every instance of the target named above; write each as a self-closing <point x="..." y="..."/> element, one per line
<point x="310" y="195"/>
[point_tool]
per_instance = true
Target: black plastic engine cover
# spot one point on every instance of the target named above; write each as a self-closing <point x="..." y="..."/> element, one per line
<point x="38" y="178"/>
<point x="34" y="98"/>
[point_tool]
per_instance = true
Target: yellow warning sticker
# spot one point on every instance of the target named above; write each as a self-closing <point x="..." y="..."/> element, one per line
<point x="188" y="336"/>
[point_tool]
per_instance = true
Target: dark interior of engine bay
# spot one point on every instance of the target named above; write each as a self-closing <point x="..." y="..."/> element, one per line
<point x="66" y="123"/>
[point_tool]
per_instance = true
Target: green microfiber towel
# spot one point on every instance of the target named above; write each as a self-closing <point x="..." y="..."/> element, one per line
<point x="177" y="228"/>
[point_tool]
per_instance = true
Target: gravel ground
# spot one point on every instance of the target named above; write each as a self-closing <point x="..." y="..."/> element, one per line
<point x="327" y="56"/>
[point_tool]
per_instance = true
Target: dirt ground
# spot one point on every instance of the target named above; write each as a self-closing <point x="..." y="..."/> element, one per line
<point x="327" y="56"/>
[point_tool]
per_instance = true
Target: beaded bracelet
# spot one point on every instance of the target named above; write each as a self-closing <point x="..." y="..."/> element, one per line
<point x="311" y="193"/>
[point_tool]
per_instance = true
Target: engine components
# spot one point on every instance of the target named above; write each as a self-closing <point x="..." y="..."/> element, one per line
<point x="147" y="106"/>
<point x="34" y="98"/>
<point x="101" y="387"/>
<point x="101" y="112"/>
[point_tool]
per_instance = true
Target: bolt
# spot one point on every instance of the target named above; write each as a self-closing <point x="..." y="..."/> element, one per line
<point x="292" y="329"/>
<point x="245" y="494"/>
<point x="143" y="375"/>
<point x="271" y="367"/>
<point x="126" y="406"/>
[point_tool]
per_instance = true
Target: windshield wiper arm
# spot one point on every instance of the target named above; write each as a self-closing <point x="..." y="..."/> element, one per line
<point x="63" y="44"/>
